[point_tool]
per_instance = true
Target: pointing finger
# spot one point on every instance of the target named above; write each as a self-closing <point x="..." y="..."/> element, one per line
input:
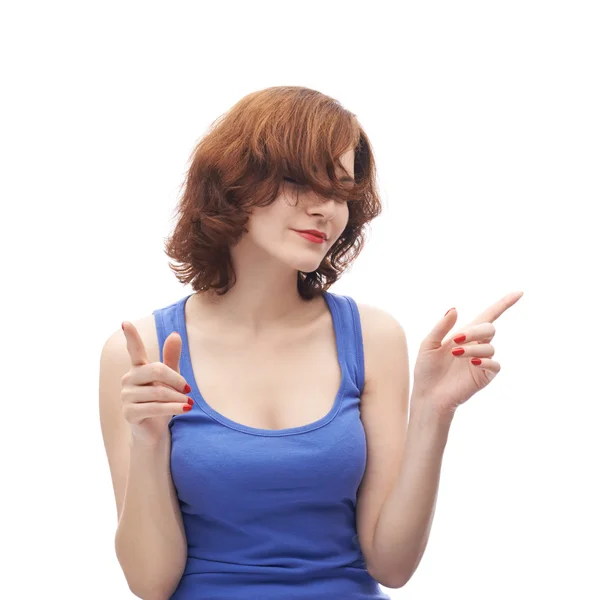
<point x="490" y="314"/>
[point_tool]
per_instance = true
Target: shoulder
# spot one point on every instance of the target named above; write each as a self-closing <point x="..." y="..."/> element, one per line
<point x="377" y="320"/>
<point x="384" y="342"/>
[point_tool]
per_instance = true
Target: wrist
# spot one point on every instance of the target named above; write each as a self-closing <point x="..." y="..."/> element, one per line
<point x="429" y="416"/>
<point x="149" y="445"/>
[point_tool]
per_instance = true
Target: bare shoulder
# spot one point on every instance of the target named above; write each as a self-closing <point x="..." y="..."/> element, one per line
<point x="373" y="316"/>
<point x="382" y="334"/>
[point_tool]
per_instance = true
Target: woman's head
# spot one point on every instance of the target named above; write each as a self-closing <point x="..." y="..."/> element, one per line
<point x="282" y="158"/>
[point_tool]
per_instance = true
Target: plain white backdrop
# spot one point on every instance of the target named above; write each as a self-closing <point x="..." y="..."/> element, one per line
<point x="484" y="119"/>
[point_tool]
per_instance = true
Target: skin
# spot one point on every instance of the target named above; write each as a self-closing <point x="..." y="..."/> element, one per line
<point x="267" y="260"/>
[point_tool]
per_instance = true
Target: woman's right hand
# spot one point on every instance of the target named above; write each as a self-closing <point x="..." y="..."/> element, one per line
<point x="151" y="393"/>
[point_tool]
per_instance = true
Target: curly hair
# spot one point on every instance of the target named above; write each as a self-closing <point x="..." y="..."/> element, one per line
<point x="269" y="135"/>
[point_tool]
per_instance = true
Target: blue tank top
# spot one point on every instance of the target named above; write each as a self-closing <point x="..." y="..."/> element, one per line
<point x="270" y="514"/>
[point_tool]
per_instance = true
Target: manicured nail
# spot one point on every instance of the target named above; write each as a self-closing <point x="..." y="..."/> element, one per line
<point x="459" y="339"/>
<point x="187" y="389"/>
<point x="476" y="361"/>
<point x="449" y="310"/>
<point x="190" y="401"/>
<point x="458" y="351"/>
<point x="186" y="407"/>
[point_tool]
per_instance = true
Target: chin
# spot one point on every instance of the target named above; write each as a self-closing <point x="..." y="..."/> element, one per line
<point x="306" y="266"/>
<point x="307" y="260"/>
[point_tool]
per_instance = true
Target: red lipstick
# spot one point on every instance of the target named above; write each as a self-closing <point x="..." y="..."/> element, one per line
<point x="312" y="235"/>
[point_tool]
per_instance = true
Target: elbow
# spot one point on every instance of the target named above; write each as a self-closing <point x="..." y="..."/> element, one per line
<point x="397" y="583"/>
<point x="149" y="595"/>
<point x="142" y="586"/>
<point x="147" y="592"/>
<point x="153" y="591"/>
<point x="144" y="594"/>
<point x="393" y="581"/>
<point x="400" y="578"/>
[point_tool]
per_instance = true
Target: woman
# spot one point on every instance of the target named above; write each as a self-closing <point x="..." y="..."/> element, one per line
<point x="237" y="420"/>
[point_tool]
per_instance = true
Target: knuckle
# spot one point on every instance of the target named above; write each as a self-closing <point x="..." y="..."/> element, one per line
<point x="160" y="393"/>
<point x="127" y="412"/>
<point x="156" y="370"/>
<point x="154" y="393"/>
<point x="125" y="396"/>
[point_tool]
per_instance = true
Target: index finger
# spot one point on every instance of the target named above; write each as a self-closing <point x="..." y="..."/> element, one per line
<point x="135" y="346"/>
<point x="490" y="314"/>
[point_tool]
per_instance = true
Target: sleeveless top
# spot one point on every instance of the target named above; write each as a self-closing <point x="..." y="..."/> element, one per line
<point x="271" y="513"/>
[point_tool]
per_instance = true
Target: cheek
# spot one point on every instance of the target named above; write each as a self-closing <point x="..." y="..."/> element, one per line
<point x="343" y="218"/>
<point x="267" y="225"/>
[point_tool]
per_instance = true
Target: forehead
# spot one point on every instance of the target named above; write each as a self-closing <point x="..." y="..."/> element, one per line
<point x="347" y="161"/>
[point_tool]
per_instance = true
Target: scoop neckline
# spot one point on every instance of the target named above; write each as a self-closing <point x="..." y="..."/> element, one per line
<point x="201" y="404"/>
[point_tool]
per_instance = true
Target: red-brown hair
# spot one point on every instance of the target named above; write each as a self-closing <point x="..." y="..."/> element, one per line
<point x="285" y="131"/>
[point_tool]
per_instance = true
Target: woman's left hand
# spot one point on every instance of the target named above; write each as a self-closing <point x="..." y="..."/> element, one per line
<point x="442" y="380"/>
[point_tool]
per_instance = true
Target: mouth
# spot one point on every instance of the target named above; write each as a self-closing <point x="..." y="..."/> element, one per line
<point x="311" y="235"/>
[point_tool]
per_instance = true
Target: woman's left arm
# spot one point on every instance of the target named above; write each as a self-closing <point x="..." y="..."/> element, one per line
<point x="404" y="524"/>
<point x="449" y="370"/>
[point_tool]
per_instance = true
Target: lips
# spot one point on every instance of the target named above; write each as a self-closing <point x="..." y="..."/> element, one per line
<point x="317" y="239"/>
<point x="313" y="232"/>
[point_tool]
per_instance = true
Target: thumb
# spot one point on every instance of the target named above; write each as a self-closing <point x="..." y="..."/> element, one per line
<point x="440" y="331"/>
<point x="172" y="351"/>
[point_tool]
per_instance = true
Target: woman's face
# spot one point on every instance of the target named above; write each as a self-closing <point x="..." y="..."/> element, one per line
<point x="273" y="228"/>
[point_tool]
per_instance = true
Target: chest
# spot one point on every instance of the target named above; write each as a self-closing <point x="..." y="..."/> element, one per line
<point x="269" y="385"/>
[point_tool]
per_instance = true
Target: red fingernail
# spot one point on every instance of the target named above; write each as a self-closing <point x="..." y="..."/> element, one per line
<point x="459" y="339"/>
<point x="458" y="351"/>
<point x="190" y="401"/>
<point x="186" y="407"/>
<point x="187" y="389"/>
<point x="476" y="361"/>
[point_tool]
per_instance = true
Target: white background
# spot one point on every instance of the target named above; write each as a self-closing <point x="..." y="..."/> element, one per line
<point x="484" y="119"/>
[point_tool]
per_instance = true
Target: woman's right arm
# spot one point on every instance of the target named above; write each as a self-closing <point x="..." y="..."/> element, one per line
<point x="150" y="540"/>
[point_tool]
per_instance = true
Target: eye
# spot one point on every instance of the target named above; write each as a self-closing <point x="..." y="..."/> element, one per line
<point x="292" y="181"/>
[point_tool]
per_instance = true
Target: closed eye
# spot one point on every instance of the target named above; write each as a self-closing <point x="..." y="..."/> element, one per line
<point x="294" y="182"/>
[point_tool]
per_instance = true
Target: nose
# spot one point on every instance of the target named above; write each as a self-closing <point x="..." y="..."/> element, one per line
<point x="322" y="206"/>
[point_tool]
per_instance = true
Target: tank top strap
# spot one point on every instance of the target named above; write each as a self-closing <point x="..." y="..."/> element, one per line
<point x="350" y="331"/>
<point x="346" y="322"/>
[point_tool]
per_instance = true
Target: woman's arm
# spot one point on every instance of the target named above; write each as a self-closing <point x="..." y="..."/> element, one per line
<point x="150" y="540"/>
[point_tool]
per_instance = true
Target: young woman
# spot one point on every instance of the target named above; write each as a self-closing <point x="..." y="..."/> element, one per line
<point x="255" y="428"/>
